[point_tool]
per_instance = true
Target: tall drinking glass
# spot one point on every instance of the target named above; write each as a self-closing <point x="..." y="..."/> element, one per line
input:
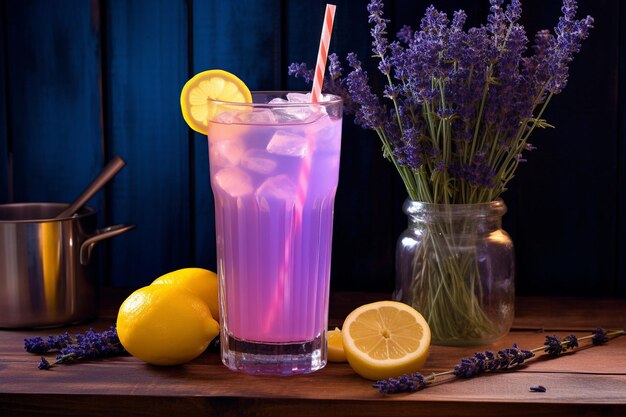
<point x="274" y="170"/>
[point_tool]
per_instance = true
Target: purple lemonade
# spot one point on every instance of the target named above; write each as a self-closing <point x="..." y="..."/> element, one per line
<point x="274" y="173"/>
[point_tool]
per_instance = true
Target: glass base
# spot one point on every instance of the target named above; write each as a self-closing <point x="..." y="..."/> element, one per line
<point x="273" y="358"/>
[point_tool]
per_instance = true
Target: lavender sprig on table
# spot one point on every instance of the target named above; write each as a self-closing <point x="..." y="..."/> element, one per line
<point x="82" y="346"/>
<point x="41" y="346"/>
<point x="487" y="361"/>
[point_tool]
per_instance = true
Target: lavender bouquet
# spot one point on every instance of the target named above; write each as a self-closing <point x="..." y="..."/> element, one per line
<point x="454" y="118"/>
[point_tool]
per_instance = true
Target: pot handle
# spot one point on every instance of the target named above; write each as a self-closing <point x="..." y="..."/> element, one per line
<point x="101" y="234"/>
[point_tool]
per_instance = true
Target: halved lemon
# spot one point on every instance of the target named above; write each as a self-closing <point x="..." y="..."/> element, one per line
<point x="215" y="85"/>
<point x="335" y="346"/>
<point x="385" y="339"/>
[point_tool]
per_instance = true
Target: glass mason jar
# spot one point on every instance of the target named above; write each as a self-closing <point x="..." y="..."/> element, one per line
<point x="456" y="266"/>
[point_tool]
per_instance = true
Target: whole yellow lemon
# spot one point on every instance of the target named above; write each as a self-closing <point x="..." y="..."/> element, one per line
<point x="199" y="281"/>
<point x="165" y="325"/>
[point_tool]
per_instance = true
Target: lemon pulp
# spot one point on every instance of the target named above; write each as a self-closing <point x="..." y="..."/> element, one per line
<point x="335" y="346"/>
<point x="385" y="339"/>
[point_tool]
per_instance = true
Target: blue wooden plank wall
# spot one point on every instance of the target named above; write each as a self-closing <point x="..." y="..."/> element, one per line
<point x="81" y="81"/>
<point x="53" y="97"/>
<point x="5" y="194"/>
<point x="146" y="63"/>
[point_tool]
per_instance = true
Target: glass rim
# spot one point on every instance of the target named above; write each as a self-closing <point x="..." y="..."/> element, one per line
<point x="413" y="207"/>
<point x="279" y="93"/>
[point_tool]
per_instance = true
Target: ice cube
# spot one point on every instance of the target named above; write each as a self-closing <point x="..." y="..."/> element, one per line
<point x="234" y="182"/>
<point x="314" y="116"/>
<point x="328" y="138"/>
<point x="299" y="97"/>
<point x="278" y="189"/>
<point x="277" y="100"/>
<point x="288" y="144"/>
<point x="300" y="110"/>
<point x="226" y="152"/>
<point x="291" y="114"/>
<point x="305" y="98"/>
<point x="257" y="161"/>
<point x="227" y="117"/>
<point x="258" y="116"/>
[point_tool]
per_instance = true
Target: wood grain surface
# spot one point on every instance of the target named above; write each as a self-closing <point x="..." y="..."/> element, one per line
<point x="591" y="381"/>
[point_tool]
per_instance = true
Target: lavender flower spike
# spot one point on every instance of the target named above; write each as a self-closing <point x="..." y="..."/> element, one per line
<point x="369" y="113"/>
<point x="36" y="345"/>
<point x="405" y="383"/>
<point x="599" y="336"/>
<point x="301" y="71"/>
<point x="44" y="364"/>
<point x="88" y="345"/>
<point x="40" y="346"/>
<point x="486" y="361"/>
<point x="554" y="346"/>
<point x="378" y="32"/>
<point x="572" y="341"/>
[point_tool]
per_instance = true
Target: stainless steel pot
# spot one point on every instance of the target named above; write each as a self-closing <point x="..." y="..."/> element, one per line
<point x="46" y="277"/>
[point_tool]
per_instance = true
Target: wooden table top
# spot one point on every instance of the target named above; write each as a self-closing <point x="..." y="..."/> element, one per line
<point x="591" y="381"/>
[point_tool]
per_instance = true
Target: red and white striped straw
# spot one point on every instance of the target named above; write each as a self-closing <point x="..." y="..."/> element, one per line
<point x="322" y="54"/>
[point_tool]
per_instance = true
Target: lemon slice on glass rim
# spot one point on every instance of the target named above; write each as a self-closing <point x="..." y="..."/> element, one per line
<point x="209" y="85"/>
